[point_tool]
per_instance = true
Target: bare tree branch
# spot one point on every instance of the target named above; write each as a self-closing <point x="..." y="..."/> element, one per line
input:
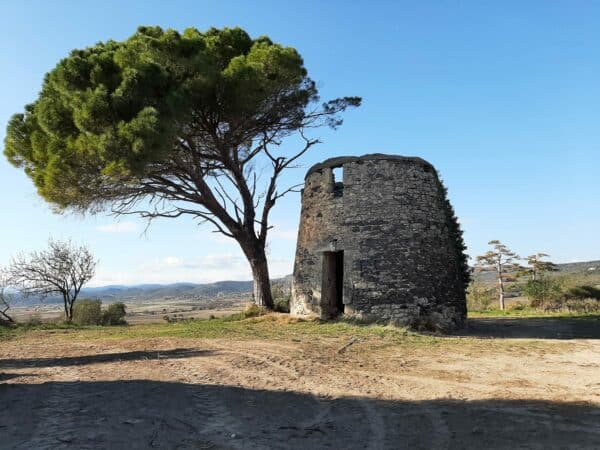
<point x="5" y="298"/>
<point x="62" y="269"/>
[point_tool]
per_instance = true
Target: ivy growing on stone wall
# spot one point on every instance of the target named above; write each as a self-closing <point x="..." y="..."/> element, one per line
<point x="456" y="236"/>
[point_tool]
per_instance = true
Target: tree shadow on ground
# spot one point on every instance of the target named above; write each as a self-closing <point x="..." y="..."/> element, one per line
<point x="533" y="328"/>
<point x="10" y="376"/>
<point x="146" y="414"/>
<point x="20" y="363"/>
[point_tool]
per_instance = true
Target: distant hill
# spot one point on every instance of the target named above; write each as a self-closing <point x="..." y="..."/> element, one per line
<point x="575" y="267"/>
<point x="194" y="291"/>
<point x="146" y="292"/>
<point x="183" y="290"/>
<point x="580" y="267"/>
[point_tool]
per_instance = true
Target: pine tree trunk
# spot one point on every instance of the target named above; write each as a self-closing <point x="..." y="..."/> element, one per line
<point x="262" y="283"/>
<point x="255" y="253"/>
<point x="501" y="293"/>
<point x="500" y="286"/>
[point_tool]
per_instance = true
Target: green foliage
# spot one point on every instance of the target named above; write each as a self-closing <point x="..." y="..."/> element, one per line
<point x="109" y="115"/>
<point x="252" y="310"/>
<point x="281" y="298"/>
<point x="164" y="119"/>
<point x="87" y="312"/>
<point x="456" y="235"/>
<point x="542" y="290"/>
<point x="114" y="314"/>
<point x="582" y="292"/>
<point x="537" y="265"/>
<point x="281" y="305"/>
<point x="565" y="293"/>
<point x="480" y="297"/>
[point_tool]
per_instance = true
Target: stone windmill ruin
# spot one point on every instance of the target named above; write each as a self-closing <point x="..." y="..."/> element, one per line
<point x="379" y="241"/>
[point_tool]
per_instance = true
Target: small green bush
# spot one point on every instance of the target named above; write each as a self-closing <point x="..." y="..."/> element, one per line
<point x="568" y="293"/>
<point x="543" y="291"/>
<point x="114" y="314"/>
<point x="87" y="312"/>
<point x="281" y="298"/>
<point x="252" y="310"/>
<point x="281" y="305"/>
<point x="582" y="292"/>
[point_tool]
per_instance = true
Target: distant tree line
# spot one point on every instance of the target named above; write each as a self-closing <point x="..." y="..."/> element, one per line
<point x="571" y="293"/>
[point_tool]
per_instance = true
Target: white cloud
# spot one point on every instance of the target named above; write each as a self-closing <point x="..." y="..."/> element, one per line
<point x="172" y="261"/>
<point x="118" y="227"/>
<point x="204" y="269"/>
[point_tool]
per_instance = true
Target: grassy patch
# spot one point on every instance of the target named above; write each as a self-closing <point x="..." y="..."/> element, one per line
<point x="22" y="329"/>
<point x="282" y="327"/>
<point x="268" y="327"/>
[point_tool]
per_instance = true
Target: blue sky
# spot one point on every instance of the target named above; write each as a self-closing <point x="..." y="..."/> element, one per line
<point x="502" y="97"/>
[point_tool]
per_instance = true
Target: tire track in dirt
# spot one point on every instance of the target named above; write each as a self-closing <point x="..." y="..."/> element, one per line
<point x="321" y="414"/>
<point x="270" y="362"/>
<point x="375" y="437"/>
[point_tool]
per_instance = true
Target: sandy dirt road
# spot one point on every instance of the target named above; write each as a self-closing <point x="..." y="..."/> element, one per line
<point x="228" y="393"/>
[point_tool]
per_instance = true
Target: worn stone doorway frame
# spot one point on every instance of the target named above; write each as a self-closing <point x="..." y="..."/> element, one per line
<point x="332" y="291"/>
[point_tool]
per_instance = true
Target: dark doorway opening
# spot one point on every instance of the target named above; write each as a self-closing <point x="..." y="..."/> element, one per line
<point x="333" y="284"/>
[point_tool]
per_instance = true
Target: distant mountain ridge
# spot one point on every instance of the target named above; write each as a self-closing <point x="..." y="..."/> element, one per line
<point x="204" y="291"/>
<point x="170" y="290"/>
<point x="563" y="268"/>
<point x="145" y="292"/>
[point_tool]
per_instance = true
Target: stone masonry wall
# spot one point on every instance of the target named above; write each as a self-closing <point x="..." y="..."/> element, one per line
<point x="400" y="261"/>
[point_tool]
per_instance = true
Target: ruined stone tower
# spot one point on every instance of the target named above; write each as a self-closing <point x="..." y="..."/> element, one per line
<point x="380" y="242"/>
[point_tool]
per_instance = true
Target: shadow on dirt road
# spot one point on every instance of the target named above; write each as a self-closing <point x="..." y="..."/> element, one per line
<point x="533" y="328"/>
<point x="177" y="353"/>
<point x="148" y="414"/>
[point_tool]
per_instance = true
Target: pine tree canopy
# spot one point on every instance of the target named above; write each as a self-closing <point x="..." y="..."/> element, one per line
<point x="158" y="113"/>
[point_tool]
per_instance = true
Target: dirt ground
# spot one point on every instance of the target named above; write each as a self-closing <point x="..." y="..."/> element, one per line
<point x="63" y="391"/>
